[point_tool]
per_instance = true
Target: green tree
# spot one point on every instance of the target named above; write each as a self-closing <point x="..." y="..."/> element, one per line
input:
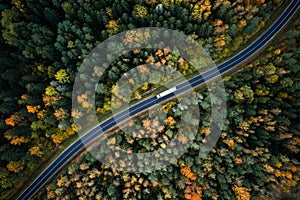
<point x="6" y="180"/>
<point x="251" y="26"/>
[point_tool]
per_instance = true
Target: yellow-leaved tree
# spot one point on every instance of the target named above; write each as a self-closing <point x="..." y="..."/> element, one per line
<point x="62" y="76"/>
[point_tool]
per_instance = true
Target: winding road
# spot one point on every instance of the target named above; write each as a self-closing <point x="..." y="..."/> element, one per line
<point x="78" y="145"/>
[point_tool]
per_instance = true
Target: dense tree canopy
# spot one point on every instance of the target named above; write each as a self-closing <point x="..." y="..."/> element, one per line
<point x="44" y="42"/>
<point x="257" y="153"/>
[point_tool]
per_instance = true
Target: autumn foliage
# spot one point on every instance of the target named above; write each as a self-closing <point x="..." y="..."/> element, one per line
<point x="44" y="44"/>
<point x="187" y="172"/>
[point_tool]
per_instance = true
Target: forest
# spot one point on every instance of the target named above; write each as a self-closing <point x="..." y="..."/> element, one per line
<point x="258" y="149"/>
<point x="45" y="42"/>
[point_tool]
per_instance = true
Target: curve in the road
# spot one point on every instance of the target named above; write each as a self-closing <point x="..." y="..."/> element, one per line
<point x="143" y="105"/>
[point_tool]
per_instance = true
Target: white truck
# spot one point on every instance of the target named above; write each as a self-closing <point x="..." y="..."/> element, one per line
<point x="169" y="91"/>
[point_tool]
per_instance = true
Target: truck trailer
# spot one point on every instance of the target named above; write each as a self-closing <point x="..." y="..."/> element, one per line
<point x="165" y="93"/>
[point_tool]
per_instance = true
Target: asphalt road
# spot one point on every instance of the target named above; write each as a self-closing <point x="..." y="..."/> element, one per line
<point x="65" y="156"/>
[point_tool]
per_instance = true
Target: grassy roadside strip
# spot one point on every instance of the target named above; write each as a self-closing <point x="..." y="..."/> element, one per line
<point x="47" y="160"/>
